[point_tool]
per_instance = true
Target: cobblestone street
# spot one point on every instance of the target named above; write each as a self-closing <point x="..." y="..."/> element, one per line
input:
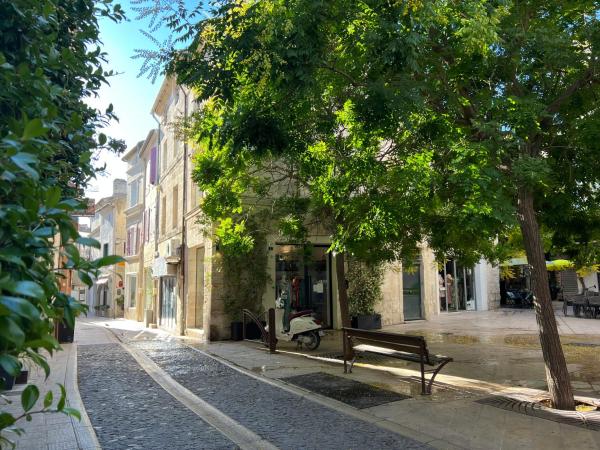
<point x="129" y="409"/>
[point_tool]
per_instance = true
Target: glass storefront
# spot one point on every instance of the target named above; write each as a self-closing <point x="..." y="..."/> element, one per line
<point x="456" y="287"/>
<point x="302" y="277"/>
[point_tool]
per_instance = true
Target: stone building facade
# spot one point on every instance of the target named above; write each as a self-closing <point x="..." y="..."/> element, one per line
<point x="178" y="277"/>
<point x="108" y="228"/>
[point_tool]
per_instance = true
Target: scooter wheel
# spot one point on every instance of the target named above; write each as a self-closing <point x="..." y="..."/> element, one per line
<point x="315" y="340"/>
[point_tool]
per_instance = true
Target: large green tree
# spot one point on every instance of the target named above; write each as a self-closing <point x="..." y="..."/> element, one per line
<point x="50" y="62"/>
<point x="453" y="123"/>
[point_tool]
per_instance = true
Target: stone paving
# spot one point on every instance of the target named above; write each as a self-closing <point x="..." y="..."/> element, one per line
<point x="53" y="431"/>
<point x="283" y="418"/>
<point x="129" y="410"/>
<point x="498" y="348"/>
<point x="249" y="385"/>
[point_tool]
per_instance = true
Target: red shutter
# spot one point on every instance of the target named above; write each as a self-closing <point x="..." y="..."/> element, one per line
<point x="137" y="238"/>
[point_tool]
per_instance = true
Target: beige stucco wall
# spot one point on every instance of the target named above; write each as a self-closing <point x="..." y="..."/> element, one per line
<point x="493" y="286"/>
<point x="390" y="307"/>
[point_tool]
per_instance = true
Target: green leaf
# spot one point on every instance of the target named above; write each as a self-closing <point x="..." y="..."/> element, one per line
<point x="6" y="420"/>
<point x="108" y="260"/>
<point x="44" y="232"/>
<point x="63" y="397"/>
<point x="10" y="331"/>
<point x="24" y="161"/>
<point x="88" y="242"/>
<point x="39" y="360"/>
<point x="28" y="289"/>
<point x="48" y="399"/>
<point x="10" y="364"/>
<point x="20" y="306"/>
<point x="33" y="129"/>
<point x="29" y="397"/>
<point x="72" y="412"/>
<point x="83" y="276"/>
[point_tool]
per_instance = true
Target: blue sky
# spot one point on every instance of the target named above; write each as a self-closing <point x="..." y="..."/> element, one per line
<point x="132" y="97"/>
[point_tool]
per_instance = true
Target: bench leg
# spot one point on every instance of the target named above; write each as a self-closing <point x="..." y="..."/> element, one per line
<point x="423" y="388"/>
<point x="352" y="364"/>
<point x="434" y="374"/>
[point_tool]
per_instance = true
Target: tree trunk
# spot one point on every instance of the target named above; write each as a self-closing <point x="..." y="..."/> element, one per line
<point x="342" y="291"/>
<point x="557" y="375"/>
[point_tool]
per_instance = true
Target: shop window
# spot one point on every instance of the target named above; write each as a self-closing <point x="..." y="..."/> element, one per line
<point x="303" y="279"/>
<point x="456" y="287"/>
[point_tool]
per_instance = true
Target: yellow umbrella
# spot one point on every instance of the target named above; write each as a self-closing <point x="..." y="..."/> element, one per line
<point x="559" y="264"/>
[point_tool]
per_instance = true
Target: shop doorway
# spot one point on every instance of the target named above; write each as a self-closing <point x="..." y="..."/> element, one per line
<point x="411" y="292"/>
<point x="168" y="303"/>
<point x="303" y="275"/>
<point x="456" y="287"/>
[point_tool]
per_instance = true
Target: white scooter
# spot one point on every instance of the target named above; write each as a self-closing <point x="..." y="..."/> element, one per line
<point x="303" y="328"/>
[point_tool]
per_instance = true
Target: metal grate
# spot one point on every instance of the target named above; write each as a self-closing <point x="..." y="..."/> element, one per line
<point x="589" y="420"/>
<point x="353" y="393"/>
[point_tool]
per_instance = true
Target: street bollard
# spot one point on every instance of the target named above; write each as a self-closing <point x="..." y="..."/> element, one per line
<point x="272" y="334"/>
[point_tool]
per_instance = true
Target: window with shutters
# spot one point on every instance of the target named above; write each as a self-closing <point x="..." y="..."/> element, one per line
<point x="175" y="206"/>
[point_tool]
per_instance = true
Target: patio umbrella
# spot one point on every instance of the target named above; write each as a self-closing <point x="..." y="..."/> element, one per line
<point x="559" y="264"/>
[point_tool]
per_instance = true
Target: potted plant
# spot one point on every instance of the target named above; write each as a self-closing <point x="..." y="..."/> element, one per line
<point x="101" y="310"/>
<point x="23" y="375"/>
<point x="245" y="273"/>
<point x="7" y="380"/>
<point x="120" y="301"/>
<point x="364" y="292"/>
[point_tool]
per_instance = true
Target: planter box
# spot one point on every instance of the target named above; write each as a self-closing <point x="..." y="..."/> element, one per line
<point x="7" y="381"/>
<point x="65" y="334"/>
<point x="237" y="329"/>
<point x="367" y="322"/>
<point x="253" y="331"/>
<point x="22" y="378"/>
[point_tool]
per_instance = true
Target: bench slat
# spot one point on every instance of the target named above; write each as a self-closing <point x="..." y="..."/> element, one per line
<point x="391" y="345"/>
<point x="408" y="356"/>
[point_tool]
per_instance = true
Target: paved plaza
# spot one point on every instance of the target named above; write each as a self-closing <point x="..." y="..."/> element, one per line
<point x="145" y="389"/>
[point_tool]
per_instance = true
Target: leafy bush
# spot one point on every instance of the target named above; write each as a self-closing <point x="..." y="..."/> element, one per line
<point x="364" y="286"/>
<point x="49" y="62"/>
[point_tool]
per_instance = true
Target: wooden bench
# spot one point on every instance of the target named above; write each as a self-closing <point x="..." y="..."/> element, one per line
<point x="593" y="306"/>
<point x="400" y="346"/>
<point x="578" y="302"/>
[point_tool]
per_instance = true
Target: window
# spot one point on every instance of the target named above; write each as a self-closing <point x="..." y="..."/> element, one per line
<point x="133" y="238"/>
<point x="131" y="290"/>
<point x="175" y="205"/>
<point x="105" y="250"/>
<point x="163" y="216"/>
<point x="134" y="192"/>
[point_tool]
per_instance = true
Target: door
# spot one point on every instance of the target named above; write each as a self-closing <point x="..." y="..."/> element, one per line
<point x="411" y="292"/>
<point x="168" y="305"/>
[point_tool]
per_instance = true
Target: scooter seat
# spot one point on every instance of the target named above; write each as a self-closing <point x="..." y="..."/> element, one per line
<point x="306" y="312"/>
